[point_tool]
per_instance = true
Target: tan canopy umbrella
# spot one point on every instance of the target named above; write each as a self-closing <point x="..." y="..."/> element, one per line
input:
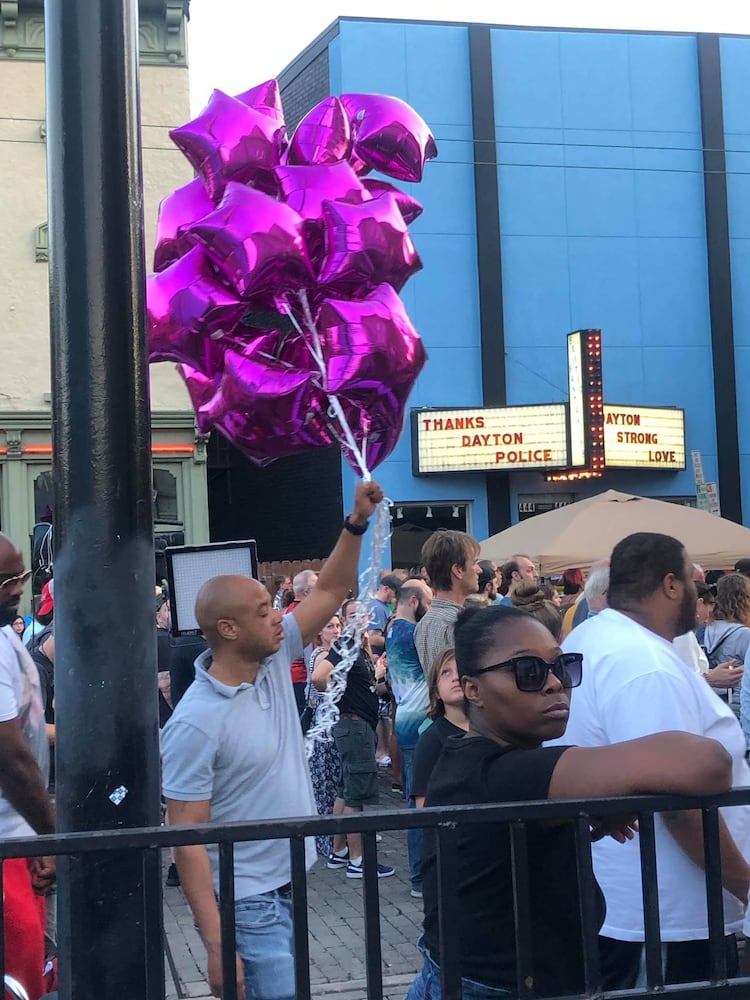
<point x="582" y="532"/>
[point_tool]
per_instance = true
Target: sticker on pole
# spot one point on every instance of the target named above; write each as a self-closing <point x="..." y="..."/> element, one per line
<point x="118" y="795"/>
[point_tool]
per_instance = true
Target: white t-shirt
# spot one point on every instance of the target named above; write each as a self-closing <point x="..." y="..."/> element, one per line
<point x="634" y="684"/>
<point x="689" y="651"/>
<point x="21" y="697"/>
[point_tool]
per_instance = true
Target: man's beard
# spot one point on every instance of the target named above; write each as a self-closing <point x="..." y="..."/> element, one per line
<point x="8" y="614"/>
<point x="419" y="612"/>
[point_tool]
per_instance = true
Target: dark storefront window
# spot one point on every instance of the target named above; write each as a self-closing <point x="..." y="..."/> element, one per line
<point x="165" y="498"/>
<point x="413" y="523"/>
<point x="44" y="497"/>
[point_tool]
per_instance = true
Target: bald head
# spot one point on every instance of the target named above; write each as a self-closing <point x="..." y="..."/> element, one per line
<point x="10" y="554"/>
<point x="11" y="580"/>
<point x="236" y="616"/>
<point x="224" y="597"/>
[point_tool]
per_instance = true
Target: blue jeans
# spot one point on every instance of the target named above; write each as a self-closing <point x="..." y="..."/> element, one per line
<point x="264" y="943"/>
<point x="414" y="838"/>
<point x="427" y="984"/>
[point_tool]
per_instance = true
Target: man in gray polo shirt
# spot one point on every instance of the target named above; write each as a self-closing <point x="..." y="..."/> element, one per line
<point x="233" y="751"/>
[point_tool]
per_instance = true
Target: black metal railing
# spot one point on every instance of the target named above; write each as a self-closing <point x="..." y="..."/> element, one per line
<point x="445" y="823"/>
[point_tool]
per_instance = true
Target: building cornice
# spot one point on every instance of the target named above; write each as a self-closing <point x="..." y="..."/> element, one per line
<point x="40" y="419"/>
<point x="27" y="434"/>
<point x="161" y="36"/>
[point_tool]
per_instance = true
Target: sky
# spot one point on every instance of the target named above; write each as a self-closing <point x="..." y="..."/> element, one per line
<point x="235" y="44"/>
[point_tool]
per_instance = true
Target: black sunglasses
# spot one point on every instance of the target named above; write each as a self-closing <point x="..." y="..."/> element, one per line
<point x="531" y="671"/>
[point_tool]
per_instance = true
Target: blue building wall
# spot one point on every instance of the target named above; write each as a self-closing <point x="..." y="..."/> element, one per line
<point x="602" y="219"/>
<point x="428" y="66"/>
<point x="602" y="222"/>
<point x="735" y="73"/>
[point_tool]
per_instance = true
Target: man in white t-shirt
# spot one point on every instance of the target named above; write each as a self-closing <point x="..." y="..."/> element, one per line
<point x="635" y="684"/>
<point x="24" y="803"/>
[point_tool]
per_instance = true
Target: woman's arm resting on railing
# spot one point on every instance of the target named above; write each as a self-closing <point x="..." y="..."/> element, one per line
<point x="670" y="763"/>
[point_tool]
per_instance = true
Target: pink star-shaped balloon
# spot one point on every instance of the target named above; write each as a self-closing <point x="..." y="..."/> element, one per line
<point x="255" y="241"/>
<point x="365" y="245"/>
<point x="185" y="205"/>
<point x="266" y="98"/>
<point x="270" y="404"/>
<point x="188" y="311"/>
<point x="409" y="207"/>
<point x="373" y="355"/>
<point x="322" y="137"/>
<point x="231" y="141"/>
<point x="388" y="135"/>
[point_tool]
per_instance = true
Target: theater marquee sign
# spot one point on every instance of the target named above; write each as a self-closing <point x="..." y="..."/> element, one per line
<point x="508" y="437"/>
<point x="575" y="440"/>
<point x="644" y="437"/>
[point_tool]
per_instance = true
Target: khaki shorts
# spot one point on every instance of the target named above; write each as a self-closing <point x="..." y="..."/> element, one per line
<point x="357" y="781"/>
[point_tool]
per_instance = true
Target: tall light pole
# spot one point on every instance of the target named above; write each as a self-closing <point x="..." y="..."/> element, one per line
<point x="107" y="773"/>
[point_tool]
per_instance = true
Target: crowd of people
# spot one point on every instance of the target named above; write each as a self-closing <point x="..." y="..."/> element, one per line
<point x="475" y="665"/>
<point x="462" y="682"/>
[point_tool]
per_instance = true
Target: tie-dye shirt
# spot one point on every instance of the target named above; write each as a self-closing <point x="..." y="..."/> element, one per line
<point x="407" y="682"/>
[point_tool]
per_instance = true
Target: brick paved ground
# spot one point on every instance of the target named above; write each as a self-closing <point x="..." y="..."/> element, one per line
<point x="337" y="967"/>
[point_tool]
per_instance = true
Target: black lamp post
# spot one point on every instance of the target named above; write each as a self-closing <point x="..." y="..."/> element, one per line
<point x="106" y="701"/>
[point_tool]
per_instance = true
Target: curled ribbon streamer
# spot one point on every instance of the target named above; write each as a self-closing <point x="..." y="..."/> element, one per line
<point x="313" y="343"/>
<point x="327" y="710"/>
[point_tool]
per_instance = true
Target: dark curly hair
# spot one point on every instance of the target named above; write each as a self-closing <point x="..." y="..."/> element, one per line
<point x="733" y="599"/>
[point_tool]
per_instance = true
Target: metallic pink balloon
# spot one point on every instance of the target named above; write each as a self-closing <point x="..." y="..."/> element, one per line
<point x="201" y="388"/>
<point x="188" y="311"/>
<point x="255" y="241"/>
<point x="270" y="403"/>
<point x="185" y="205"/>
<point x="306" y="188"/>
<point x="231" y="141"/>
<point x="388" y="135"/>
<point x="322" y="137"/>
<point x="409" y="207"/>
<point x="266" y="98"/>
<point x="373" y="356"/>
<point x="366" y="245"/>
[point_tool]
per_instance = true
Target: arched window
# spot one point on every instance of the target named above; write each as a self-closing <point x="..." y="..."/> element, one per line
<point x="44" y="497"/>
<point x="165" y="498"/>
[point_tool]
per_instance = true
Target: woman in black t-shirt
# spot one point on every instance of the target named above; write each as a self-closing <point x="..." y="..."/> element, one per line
<point x="517" y="685"/>
<point x="447" y="716"/>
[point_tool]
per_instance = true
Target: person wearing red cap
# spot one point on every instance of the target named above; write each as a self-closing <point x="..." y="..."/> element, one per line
<point x="38" y="625"/>
<point x="48" y="599"/>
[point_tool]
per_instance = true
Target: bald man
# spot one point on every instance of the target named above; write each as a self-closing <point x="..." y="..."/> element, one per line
<point x="24" y="757"/>
<point x="233" y="751"/>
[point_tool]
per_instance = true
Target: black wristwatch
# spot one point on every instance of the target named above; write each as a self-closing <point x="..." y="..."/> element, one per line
<point x="354" y="529"/>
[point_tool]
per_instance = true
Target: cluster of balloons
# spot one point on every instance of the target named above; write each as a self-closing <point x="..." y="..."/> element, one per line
<point x="278" y="270"/>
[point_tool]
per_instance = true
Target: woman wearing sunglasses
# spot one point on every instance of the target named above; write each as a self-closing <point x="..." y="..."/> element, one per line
<point x="517" y="685"/>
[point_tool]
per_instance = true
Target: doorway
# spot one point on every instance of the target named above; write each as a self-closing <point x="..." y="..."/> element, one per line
<point x="413" y="523"/>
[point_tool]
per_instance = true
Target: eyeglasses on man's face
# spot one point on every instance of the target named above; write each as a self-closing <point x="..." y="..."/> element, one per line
<point x="531" y="672"/>
<point x="8" y="582"/>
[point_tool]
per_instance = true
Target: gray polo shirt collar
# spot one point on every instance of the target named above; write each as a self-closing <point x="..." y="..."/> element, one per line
<point x="202" y="673"/>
